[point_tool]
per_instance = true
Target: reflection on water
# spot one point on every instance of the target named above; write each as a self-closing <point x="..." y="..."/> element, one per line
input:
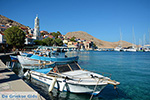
<point x="84" y="55"/>
<point x="56" y="95"/>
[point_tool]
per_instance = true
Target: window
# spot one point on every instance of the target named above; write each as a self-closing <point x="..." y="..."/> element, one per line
<point x="63" y="68"/>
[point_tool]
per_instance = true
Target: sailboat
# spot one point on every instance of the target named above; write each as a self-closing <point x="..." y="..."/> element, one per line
<point x="119" y="47"/>
<point x="133" y="47"/>
<point x="140" y="48"/>
<point x="146" y="48"/>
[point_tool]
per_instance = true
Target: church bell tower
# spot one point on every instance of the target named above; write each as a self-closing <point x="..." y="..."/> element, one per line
<point x="36" y="34"/>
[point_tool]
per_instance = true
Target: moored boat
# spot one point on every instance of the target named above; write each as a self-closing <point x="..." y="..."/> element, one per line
<point x="53" y="56"/>
<point x="28" y="63"/>
<point x="70" y="77"/>
<point x="119" y="48"/>
<point x="57" y="60"/>
<point x="132" y="49"/>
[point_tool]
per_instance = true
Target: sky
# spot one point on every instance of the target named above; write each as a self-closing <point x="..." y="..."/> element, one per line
<point x="102" y="19"/>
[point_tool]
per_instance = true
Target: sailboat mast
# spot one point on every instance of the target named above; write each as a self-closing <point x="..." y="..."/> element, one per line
<point x="120" y="38"/>
<point x="149" y="36"/>
<point x="143" y="40"/>
<point x="133" y="41"/>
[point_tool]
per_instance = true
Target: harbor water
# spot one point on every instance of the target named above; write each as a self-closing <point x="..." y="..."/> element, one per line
<point x="131" y="69"/>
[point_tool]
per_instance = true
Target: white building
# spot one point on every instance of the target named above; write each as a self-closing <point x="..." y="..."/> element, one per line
<point x="2" y="40"/>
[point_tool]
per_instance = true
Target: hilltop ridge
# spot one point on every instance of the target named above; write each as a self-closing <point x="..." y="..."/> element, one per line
<point x="6" y="21"/>
<point x="98" y="42"/>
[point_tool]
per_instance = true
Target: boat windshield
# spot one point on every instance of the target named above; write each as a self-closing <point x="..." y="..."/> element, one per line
<point x="63" y="68"/>
<point x="74" y="66"/>
<point x="68" y="67"/>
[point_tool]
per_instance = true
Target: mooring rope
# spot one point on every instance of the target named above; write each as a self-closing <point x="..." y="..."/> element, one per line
<point x="94" y="89"/>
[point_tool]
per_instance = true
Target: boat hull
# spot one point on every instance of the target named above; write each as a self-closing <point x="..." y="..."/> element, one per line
<point x="63" y="85"/>
<point x="26" y="60"/>
<point x="28" y="63"/>
<point x="58" y="60"/>
<point x="13" y="58"/>
<point x="131" y="50"/>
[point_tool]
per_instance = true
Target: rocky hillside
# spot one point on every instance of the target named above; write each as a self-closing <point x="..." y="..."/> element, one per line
<point x="5" y="21"/>
<point x="98" y="42"/>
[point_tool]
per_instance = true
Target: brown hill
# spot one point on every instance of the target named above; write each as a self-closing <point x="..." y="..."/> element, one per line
<point x="5" y="21"/>
<point x="98" y="42"/>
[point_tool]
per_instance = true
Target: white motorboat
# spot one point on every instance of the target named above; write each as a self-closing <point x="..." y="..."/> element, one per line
<point x="70" y="77"/>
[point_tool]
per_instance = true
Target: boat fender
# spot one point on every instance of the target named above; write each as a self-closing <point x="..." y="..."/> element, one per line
<point x="26" y="73"/>
<point x="29" y="76"/>
<point x="63" y="84"/>
<point x="52" y="84"/>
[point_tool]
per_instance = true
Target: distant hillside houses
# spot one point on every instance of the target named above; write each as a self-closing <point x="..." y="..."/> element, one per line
<point x="78" y="43"/>
<point x="36" y="34"/>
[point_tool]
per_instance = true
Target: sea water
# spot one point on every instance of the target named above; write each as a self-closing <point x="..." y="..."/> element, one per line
<point x="131" y="69"/>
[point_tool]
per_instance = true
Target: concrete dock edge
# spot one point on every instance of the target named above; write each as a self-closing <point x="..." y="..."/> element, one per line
<point x="12" y="87"/>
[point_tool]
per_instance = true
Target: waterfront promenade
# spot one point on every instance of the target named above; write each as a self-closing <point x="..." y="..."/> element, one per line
<point x="12" y="87"/>
<point x="4" y="54"/>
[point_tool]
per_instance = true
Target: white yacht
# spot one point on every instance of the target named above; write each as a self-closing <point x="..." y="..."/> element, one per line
<point x="132" y="49"/>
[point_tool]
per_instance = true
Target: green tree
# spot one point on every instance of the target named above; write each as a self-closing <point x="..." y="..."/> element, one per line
<point x="39" y="42"/>
<point x="14" y="36"/>
<point x="58" y="42"/>
<point x="54" y="34"/>
<point x="42" y="34"/>
<point x="73" y="39"/>
<point x="48" y="41"/>
<point x="58" y="33"/>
